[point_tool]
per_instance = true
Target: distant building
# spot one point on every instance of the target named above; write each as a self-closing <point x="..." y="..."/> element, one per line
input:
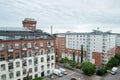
<point x="98" y="46"/>
<point x="25" y="50"/>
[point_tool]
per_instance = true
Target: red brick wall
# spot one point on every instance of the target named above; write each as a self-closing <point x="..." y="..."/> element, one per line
<point x="67" y="50"/>
<point x="60" y="45"/>
<point x="25" y="41"/>
<point x="118" y="49"/>
<point x="98" y="58"/>
<point x="112" y="52"/>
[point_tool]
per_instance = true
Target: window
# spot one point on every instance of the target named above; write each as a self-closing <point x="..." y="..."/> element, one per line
<point x="17" y="64"/>
<point x="2" y="67"/>
<point x="42" y="59"/>
<point x="30" y="62"/>
<point x="52" y="43"/>
<point x="24" y="54"/>
<point x="3" y="77"/>
<point x="42" y="51"/>
<point x="35" y="61"/>
<point x="48" y="58"/>
<point x="11" y="75"/>
<point x="10" y="56"/>
<point x="35" y="44"/>
<point x="29" y="45"/>
<point x="10" y="46"/>
<point x="17" y="73"/>
<point x="48" y="72"/>
<point x="48" y="51"/>
<point x="24" y="72"/>
<point x="2" y="57"/>
<point x="30" y="70"/>
<point x="52" y="50"/>
<point x="10" y="66"/>
<point x="17" y="55"/>
<point x="30" y="77"/>
<point x="36" y="69"/>
<point x="1" y="47"/>
<point x="16" y="46"/>
<point x="52" y="57"/>
<point x="35" y="52"/>
<point x="48" y="44"/>
<point x="24" y="63"/>
<point x="42" y="67"/>
<point x="36" y="75"/>
<point x="29" y="53"/>
<point x="52" y="64"/>
<point x="41" y="44"/>
<point x="23" y="45"/>
<point x="48" y="66"/>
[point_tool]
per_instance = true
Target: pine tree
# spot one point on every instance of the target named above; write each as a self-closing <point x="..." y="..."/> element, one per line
<point x="81" y="54"/>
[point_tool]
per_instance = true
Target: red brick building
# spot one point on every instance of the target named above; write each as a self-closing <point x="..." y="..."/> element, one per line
<point x="25" y="50"/>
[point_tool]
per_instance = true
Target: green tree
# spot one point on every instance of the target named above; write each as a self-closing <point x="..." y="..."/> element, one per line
<point x="112" y="62"/>
<point x="39" y="78"/>
<point x="101" y="71"/>
<point x="64" y="60"/>
<point x="72" y="63"/>
<point x="118" y="57"/>
<point x="27" y="77"/>
<point x="73" y="56"/>
<point x="88" y="68"/>
<point x="81" y="53"/>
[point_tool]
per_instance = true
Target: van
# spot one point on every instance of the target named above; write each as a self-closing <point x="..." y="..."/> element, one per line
<point x="57" y="72"/>
<point x="63" y="71"/>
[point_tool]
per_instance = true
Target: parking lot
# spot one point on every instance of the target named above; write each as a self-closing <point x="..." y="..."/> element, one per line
<point x="73" y="74"/>
<point x="109" y="76"/>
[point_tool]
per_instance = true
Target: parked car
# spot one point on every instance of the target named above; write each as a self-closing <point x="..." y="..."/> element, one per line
<point x="114" y="70"/>
<point x="57" y="72"/>
<point x="73" y="79"/>
<point x="63" y="71"/>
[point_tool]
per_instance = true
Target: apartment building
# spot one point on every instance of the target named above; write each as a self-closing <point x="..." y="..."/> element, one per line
<point x="24" y="50"/>
<point x="98" y="46"/>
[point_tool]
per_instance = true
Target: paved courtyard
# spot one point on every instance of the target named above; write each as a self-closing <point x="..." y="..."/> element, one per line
<point x="73" y="74"/>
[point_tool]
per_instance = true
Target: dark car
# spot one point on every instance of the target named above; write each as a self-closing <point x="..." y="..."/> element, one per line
<point x="73" y="79"/>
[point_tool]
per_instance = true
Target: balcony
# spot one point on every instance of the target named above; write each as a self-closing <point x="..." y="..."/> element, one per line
<point x="104" y="62"/>
<point x="104" y="59"/>
<point x="10" y="50"/>
<point x="48" y="46"/>
<point x="35" y="47"/>
<point x="24" y="49"/>
<point x="10" y="60"/>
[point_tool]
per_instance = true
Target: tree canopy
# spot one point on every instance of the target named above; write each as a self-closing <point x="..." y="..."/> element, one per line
<point x="88" y="68"/>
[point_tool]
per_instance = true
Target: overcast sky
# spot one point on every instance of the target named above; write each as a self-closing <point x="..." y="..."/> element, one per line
<point x="63" y="15"/>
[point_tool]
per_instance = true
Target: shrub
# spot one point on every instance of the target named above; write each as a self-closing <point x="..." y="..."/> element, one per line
<point x="101" y="71"/>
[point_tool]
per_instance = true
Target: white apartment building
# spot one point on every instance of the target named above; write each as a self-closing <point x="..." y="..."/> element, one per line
<point x="98" y="46"/>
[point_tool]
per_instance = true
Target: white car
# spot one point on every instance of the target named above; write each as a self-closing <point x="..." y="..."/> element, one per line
<point x="114" y="70"/>
<point x="63" y="71"/>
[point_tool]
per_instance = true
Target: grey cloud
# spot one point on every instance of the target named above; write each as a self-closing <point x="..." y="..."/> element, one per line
<point x="61" y="12"/>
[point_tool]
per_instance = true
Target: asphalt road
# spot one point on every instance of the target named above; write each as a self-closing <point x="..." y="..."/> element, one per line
<point x="109" y="76"/>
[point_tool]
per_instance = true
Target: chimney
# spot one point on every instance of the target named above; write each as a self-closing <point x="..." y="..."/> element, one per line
<point x="29" y="23"/>
<point x="51" y="31"/>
